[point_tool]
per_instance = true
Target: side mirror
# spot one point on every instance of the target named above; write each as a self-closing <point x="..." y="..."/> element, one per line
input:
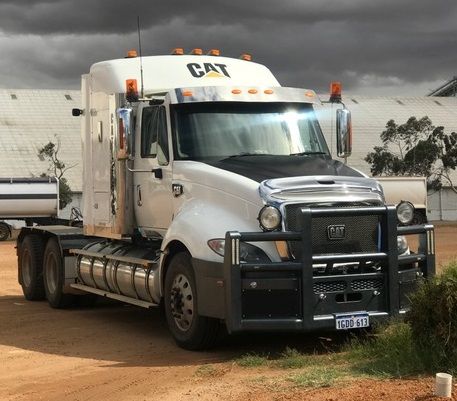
<point x="343" y="133"/>
<point x="125" y="142"/>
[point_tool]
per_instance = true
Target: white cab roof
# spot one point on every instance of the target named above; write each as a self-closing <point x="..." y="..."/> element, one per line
<point x="162" y="73"/>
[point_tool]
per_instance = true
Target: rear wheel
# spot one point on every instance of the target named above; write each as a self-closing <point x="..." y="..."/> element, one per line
<point x="54" y="276"/>
<point x="5" y="231"/>
<point x="30" y="261"/>
<point x="189" y="329"/>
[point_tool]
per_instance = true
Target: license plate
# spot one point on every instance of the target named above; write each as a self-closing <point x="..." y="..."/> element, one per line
<point x="352" y="321"/>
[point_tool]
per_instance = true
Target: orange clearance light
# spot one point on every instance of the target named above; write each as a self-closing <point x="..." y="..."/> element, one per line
<point x="197" y="52"/>
<point x="309" y="93"/>
<point x="246" y="57"/>
<point x="236" y="91"/>
<point x="252" y="91"/>
<point x="132" y="53"/>
<point x="187" y="93"/>
<point x="335" y="92"/>
<point x="214" y="52"/>
<point x="268" y="92"/>
<point x="131" y="90"/>
<point x="178" y="51"/>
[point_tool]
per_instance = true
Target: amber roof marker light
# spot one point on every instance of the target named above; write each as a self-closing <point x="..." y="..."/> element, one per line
<point x="177" y="51"/>
<point x="246" y="57"/>
<point x="214" y="52"/>
<point x="132" y="54"/>
<point x="335" y="92"/>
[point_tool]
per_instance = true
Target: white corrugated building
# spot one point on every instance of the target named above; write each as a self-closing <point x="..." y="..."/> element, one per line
<point x="29" y="119"/>
<point x="369" y="118"/>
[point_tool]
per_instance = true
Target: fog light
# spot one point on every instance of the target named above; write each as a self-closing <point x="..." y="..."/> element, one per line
<point x="402" y="245"/>
<point x="405" y="212"/>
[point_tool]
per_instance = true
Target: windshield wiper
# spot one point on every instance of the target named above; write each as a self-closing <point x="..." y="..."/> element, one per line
<point x="308" y="153"/>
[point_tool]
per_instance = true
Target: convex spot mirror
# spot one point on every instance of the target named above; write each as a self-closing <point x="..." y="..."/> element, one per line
<point x="343" y="132"/>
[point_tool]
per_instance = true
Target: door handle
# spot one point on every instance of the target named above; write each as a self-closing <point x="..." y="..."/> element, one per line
<point x="139" y="202"/>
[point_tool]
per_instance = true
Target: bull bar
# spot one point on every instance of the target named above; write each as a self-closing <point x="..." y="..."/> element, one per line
<point x="282" y="296"/>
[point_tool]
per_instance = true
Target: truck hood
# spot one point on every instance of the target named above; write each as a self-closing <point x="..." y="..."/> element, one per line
<point x="278" y="179"/>
<point x="264" y="167"/>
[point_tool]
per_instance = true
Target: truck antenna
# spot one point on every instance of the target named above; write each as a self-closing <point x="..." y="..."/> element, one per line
<point x="141" y="59"/>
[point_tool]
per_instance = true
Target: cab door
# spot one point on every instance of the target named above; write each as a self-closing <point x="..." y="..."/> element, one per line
<point x="152" y="174"/>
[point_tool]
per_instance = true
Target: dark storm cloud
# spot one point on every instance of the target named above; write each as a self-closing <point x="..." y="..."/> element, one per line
<point x="383" y="43"/>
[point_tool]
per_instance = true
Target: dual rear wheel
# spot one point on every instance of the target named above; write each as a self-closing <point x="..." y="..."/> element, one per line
<point x="42" y="274"/>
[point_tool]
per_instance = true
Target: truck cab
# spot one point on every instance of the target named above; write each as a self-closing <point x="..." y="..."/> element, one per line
<point x="210" y="188"/>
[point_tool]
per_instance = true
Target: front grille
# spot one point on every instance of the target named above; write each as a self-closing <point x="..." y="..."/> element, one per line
<point x="367" y="284"/>
<point x="361" y="232"/>
<point x="329" y="286"/>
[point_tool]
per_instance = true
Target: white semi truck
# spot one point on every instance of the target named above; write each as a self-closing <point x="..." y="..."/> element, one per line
<point x="209" y="189"/>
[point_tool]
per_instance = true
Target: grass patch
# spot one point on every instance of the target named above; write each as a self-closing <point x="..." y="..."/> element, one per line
<point x="320" y="376"/>
<point x="252" y="361"/>
<point x="390" y="352"/>
<point x="292" y="359"/>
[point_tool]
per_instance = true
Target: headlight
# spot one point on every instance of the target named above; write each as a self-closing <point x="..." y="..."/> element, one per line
<point x="405" y="212"/>
<point x="248" y="252"/>
<point x="269" y="218"/>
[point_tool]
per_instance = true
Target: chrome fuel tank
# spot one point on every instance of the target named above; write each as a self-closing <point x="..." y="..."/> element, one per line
<point x="123" y="276"/>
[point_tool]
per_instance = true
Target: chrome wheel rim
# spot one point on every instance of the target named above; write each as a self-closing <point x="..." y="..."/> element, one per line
<point x="182" y="302"/>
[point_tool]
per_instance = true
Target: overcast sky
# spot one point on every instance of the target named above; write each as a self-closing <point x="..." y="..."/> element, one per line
<point x="385" y="47"/>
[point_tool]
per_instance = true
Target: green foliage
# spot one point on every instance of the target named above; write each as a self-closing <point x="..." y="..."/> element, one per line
<point x="390" y="352"/>
<point x="416" y="148"/>
<point x="433" y="320"/>
<point x="57" y="168"/>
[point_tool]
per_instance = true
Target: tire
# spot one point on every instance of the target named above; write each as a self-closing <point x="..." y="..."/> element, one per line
<point x="54" y="276"/>
<point x="30" y="264"/>
<point x="5" y="231"/>
<point x="190" y="330"/>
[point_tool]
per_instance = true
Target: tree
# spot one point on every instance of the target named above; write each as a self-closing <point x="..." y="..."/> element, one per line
<point x="57" y="167"/>
<point x="416" y="148"/>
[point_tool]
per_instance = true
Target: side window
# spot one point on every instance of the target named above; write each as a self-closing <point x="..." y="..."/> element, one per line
<point x="149" y="132"/>
<point x="154" y="137"/>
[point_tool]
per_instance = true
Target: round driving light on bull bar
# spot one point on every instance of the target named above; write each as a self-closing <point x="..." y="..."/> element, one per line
<point x="269" y="218"/>
<point x="405" y="212"/>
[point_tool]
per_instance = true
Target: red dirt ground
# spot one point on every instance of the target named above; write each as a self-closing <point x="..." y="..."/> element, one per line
<point x="122" y="353"/>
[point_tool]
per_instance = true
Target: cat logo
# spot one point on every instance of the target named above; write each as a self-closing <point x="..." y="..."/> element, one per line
<point x="208" y="70"/>
<point x="336" y="232"/>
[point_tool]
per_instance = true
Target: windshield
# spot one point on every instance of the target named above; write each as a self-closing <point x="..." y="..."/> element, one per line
<point x="220" y="130"/>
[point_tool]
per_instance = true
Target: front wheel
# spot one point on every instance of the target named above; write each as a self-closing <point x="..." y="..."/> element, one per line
<point x="189" y="329"/>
